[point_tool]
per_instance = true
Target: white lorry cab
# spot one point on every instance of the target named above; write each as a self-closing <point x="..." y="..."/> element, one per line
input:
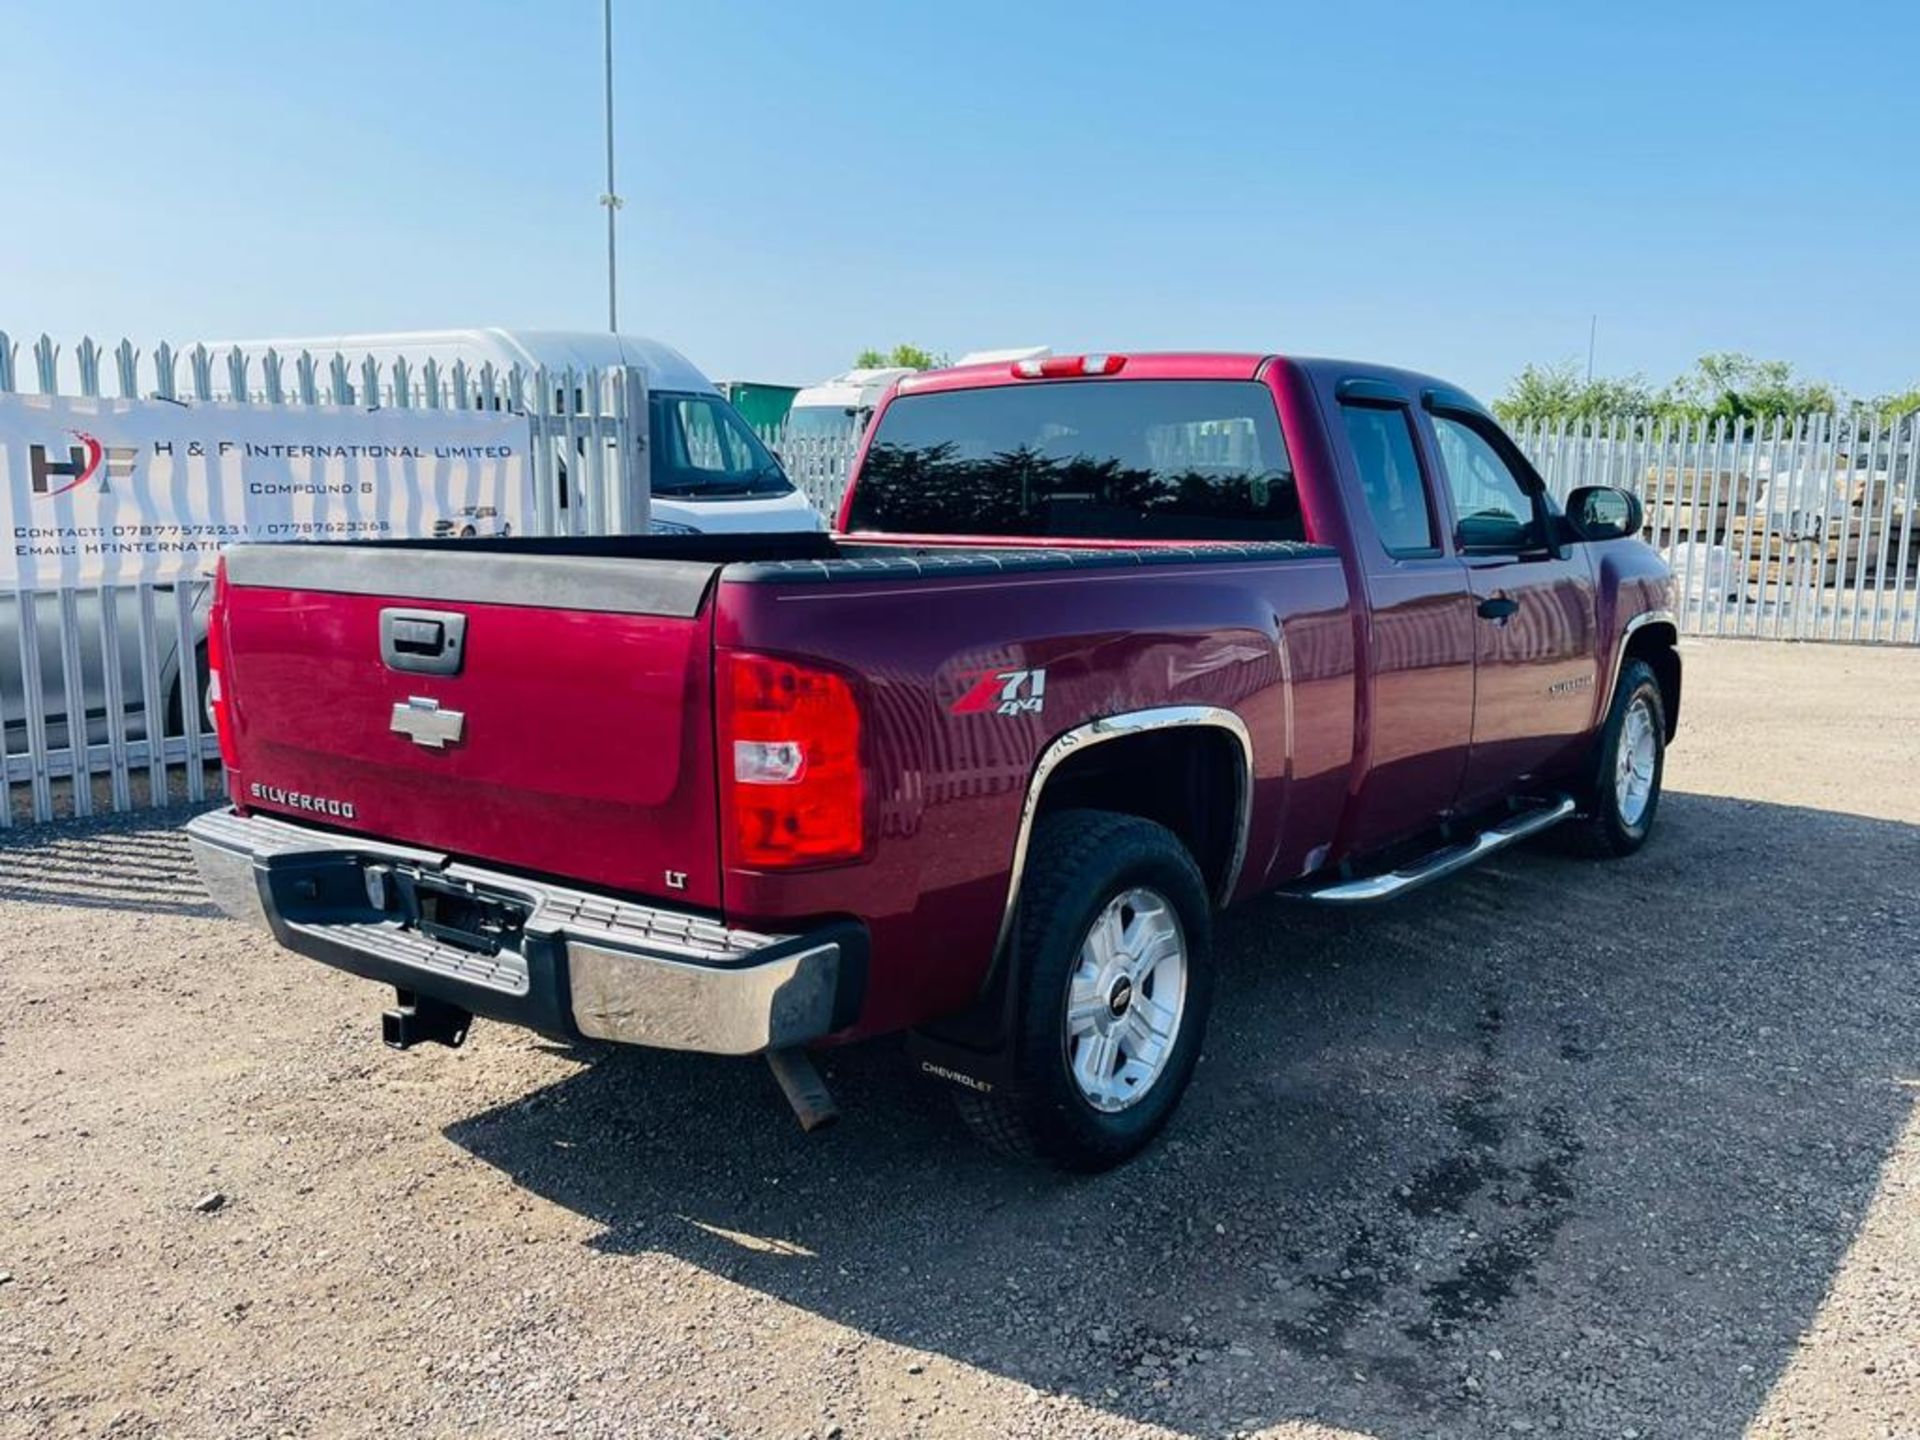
<point x="711" y="473"/>
<point x="841" y="407"/>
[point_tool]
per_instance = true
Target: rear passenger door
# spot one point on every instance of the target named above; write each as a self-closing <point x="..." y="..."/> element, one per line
<point x="1535" y="662"/>
<point x="1420" y="683"/>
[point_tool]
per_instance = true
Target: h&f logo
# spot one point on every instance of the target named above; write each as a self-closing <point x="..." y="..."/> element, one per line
<point x="83" y="462"/>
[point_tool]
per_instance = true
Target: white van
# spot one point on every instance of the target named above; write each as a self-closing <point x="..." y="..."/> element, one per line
<point x="711" y="473"/>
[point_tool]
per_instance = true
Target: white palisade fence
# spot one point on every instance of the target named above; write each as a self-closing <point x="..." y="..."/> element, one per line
<point x="101" y="685"/>
<point x="1801" y="528"/>
<point x="820" y="465"/>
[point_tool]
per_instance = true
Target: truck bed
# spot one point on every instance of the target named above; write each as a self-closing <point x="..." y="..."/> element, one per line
<point x="588" y="573"/>
<point x="579" y="723"/>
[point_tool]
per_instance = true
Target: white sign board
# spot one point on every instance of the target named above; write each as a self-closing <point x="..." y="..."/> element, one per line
<point x="95" y="490"/>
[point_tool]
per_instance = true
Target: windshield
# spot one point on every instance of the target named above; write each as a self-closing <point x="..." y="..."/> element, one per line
<point x="1105" y="459"/>
<point x="703" y="450"/>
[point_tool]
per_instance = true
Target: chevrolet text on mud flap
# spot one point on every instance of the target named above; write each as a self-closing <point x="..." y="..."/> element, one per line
<point x="1260" y="624"/>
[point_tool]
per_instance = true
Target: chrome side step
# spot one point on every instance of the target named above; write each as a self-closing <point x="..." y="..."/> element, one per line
<point x="1372" y="889"/>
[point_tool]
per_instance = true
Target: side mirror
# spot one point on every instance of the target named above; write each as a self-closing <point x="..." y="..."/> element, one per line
<point x="1601" y="512"/>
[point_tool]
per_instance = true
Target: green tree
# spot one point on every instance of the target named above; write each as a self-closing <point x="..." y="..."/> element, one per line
<point x="1887" y="408"/>
<point x="907" y="357"/>
<point x="1545" y="391"/>
<point x="1727" y="384"/>
<point x="1722" y="385"/>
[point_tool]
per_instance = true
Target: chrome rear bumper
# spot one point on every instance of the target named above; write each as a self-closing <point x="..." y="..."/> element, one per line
<point x="581" y="963"/>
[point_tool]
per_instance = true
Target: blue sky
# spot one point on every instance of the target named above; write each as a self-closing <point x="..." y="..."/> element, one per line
<point x="1455" y="187"/>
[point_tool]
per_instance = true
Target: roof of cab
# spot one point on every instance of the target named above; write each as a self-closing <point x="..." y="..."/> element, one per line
<point x="1196" y="365"/>
<point x="1412" y="385"/>
<point x="1162" y="365"/>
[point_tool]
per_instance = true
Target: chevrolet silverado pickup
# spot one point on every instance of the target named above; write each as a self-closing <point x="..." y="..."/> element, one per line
<point x="1100" y="644"/>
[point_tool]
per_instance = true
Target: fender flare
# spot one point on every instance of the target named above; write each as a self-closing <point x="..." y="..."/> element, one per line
<point x="1120" y="727"/>
<point x="1645" y="617"/>
<point x="970" y="1049"/>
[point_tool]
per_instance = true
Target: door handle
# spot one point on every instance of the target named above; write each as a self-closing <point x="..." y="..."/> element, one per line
<point x="1498" y="607"/>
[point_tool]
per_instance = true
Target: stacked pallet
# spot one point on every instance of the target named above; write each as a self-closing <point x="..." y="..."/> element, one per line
<point x="1688" y="503"/>
<point x="1816" y="552"/>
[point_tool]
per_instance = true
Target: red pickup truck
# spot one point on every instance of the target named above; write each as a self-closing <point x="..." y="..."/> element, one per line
<point x="1101" y="643"/>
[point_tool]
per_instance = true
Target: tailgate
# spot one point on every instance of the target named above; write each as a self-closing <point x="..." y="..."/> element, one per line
<point x="549" y="713"/>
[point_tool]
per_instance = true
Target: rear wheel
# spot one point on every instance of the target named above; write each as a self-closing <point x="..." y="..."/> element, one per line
<point x="1115" y="984"/>
<point x="176" y="697"/>
<point x="1623" y="792"/>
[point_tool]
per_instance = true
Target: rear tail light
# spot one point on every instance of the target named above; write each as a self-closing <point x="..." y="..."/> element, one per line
<point x="1060" y="367"/>
<point x="790" y="763"/>
<point x="217" y="701"/>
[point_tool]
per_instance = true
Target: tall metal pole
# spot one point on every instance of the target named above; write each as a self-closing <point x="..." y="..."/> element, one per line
<point x="611" y="198"/>
<point x="1593" y="326"/>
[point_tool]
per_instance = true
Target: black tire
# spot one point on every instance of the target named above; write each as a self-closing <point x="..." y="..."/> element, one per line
<point x="1604" y="831"/>
<point x="176" y="697"/>
<point x="1080" y="862"/>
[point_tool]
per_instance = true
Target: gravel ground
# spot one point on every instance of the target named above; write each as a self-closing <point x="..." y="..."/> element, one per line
<point x="1623" y="1150"/>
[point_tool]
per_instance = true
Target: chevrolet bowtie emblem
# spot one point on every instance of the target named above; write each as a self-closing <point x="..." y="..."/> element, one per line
<point x="425" y="723"/>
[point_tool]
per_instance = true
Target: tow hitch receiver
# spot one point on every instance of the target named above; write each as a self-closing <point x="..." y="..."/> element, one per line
<point x="417" y="1019"/>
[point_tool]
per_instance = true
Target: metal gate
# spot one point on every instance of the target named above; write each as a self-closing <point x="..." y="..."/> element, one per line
<point x="102" y="701"/>
<point x="1804" y="528"/>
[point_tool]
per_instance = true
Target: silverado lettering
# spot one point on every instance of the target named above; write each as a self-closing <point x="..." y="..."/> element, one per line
<point x="296" y="800"/>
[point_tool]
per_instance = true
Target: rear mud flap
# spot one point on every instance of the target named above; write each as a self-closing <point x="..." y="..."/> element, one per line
<point x="974" y="1049"/>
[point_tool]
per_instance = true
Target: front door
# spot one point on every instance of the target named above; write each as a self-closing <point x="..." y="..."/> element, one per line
<point x="1535" y="667"/>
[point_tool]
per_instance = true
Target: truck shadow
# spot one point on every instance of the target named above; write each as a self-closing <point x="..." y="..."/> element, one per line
<point x="1553" y="1146"/>
<point x="137" y="861"/>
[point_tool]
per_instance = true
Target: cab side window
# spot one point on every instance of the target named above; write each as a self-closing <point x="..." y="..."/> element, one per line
<point x="1496" y="511"/>
<point x="1383" y="450"/>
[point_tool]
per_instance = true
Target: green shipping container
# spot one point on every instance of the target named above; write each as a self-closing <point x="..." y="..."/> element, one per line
<point x="764" y="407"/>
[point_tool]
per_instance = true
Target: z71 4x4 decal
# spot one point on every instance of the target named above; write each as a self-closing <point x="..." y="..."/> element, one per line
<point x="1004" y="692"/>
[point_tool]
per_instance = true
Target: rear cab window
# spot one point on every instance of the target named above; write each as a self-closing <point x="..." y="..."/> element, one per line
<point x="1088" y="459"/>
